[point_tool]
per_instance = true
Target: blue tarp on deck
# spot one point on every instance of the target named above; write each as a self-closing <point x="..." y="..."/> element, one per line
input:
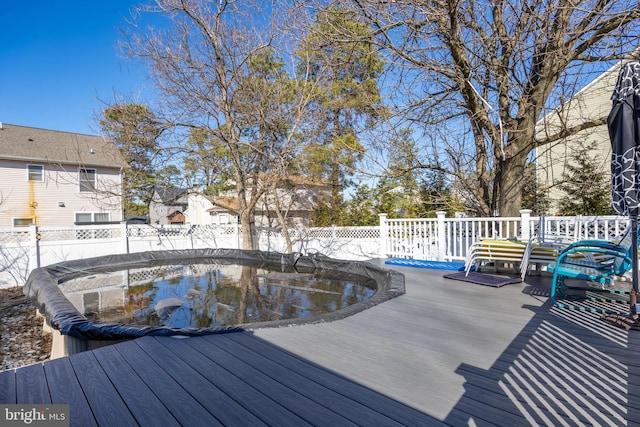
<point x="438" y="265"/>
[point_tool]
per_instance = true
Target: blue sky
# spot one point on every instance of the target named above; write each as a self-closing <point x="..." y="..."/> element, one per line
<point x="59" y="62"/>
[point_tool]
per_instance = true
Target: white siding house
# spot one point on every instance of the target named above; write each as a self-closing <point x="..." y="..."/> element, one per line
<point x="202" y="210"/>
<point x="53" y="178"/>
<point x="297" y="196"/>
<point x="590" y="103"/>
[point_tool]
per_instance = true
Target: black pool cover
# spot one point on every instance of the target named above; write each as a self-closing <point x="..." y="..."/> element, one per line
<point x="42" y="288"/>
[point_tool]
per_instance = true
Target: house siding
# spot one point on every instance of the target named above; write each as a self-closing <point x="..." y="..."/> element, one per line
<point x="592" y="102"/>
<point x="39" y="200"/>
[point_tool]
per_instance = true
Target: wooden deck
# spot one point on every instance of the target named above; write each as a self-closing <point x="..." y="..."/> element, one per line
<point x="445" y="353"/>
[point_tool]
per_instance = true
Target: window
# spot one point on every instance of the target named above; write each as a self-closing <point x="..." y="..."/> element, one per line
<point x="35" y="173"/>
<point x="101" y="217"/>
<point x="22" y="222"/>
<point x="91" y="217"/>
<point x="84" y="217"/>
<point x="87" y="180"/>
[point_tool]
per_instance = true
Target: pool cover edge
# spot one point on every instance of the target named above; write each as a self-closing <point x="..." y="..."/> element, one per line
<point x="42" y="288"/>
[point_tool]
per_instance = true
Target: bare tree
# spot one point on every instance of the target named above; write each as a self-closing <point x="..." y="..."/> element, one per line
<point x="218" y="70"/>
<point x="481" y="74"/>
<point x="14" y="255"/>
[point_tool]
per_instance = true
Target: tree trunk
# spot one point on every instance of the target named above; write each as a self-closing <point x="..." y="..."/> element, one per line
<point x="246" y="223"/>
<point x="511" y="182"/>
<point x="282" y="221"/>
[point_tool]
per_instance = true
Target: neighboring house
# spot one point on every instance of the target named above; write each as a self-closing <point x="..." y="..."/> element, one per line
<point x="168" y="205"/>
<point x="590" y="103"/>
<point x="298" y="197"/>
<point x="203" y="209"/>
<point x="224" y="210"/>
<point x="54" y="178"/>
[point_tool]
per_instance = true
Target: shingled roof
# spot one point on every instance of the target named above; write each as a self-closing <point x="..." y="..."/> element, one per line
<point x="52" y="146"/>
<point x="170" y="195"/>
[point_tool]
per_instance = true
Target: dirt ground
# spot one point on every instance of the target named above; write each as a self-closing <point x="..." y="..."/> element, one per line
<point x="22" y="341"/>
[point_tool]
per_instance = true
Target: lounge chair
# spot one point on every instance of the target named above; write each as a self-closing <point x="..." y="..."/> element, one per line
<point x="541" y="251"/>
<point x="596" y="263"/>
<point x="538" y="255"/>
<point x="495" y="251"/>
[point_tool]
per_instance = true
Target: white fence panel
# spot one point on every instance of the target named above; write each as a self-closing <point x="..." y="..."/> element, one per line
<point x="55" y="251"/>
<point x="426" y="238"/>
<point x="353" y="243"/>
<point x="55" y="244"/>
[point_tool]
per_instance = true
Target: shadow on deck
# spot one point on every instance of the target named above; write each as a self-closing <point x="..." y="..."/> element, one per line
<point x="565" y="367"/>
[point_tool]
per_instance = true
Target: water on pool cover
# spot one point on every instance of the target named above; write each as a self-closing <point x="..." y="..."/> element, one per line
<point x="212" y="294"/>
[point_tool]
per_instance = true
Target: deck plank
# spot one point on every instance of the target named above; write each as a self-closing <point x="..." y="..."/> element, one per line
<point x="372" y="404"/>
<point x="64" y="388"/>
<point x="206" y="362"/>
<point x="184" y="407"/>
<point x="8" y="386"/>
<point x="289" y="398"/>
<point x="227" y="410"/>
<point x="31" y="385"/>
<point x="105" y="401"/>
<point x="145" y="406"/>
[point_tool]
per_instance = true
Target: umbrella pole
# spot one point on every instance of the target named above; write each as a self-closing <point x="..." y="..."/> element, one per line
<point x="634" y="266"/>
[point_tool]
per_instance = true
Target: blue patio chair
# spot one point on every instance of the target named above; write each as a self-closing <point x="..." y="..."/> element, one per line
<point x="595" y="261"/>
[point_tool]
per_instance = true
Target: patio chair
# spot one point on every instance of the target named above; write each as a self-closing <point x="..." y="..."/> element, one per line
<point x="596" y="262"/>
<point x="542" y="250"/>
<point x="495" y="251"/>
<point x="539" y="255"/>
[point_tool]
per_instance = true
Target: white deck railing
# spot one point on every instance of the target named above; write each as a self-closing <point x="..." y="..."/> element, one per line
<point x="448" y="239"/>
<point x="440" y="238"/>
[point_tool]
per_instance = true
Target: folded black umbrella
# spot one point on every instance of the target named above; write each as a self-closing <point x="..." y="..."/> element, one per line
<point x="624" y="132"/>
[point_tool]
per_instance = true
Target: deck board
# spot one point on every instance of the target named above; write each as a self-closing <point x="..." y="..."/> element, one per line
<point x="64" y="388"/>
<point x="208" y="363"/>
<point x="8" y="386"/>
<point x="105" y="401"/>
<point x="445" y="353"/>
<point x="342" y="409"/>
<point x="140" y="399"/>
<point x="31" y="385"/>
<point x="353" y="400"/>
<point x="225" y="408"/>
<point x="184" y="407"/>
<point x="300" y="408"/>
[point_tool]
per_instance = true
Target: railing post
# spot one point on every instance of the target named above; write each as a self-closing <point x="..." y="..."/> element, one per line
<point x="441" y="237"/>
<point x="525" y="224"/>
<point x="384" y="235"/>
<point x="581" y="229"/>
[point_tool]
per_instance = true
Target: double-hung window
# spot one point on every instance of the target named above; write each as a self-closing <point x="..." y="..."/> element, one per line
<point x="87" y="179"/>
<point x="35" y="173"/>
<point x="90" y="217"/>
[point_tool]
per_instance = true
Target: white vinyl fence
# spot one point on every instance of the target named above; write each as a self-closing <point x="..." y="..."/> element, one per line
<point x="441" y="238"/>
